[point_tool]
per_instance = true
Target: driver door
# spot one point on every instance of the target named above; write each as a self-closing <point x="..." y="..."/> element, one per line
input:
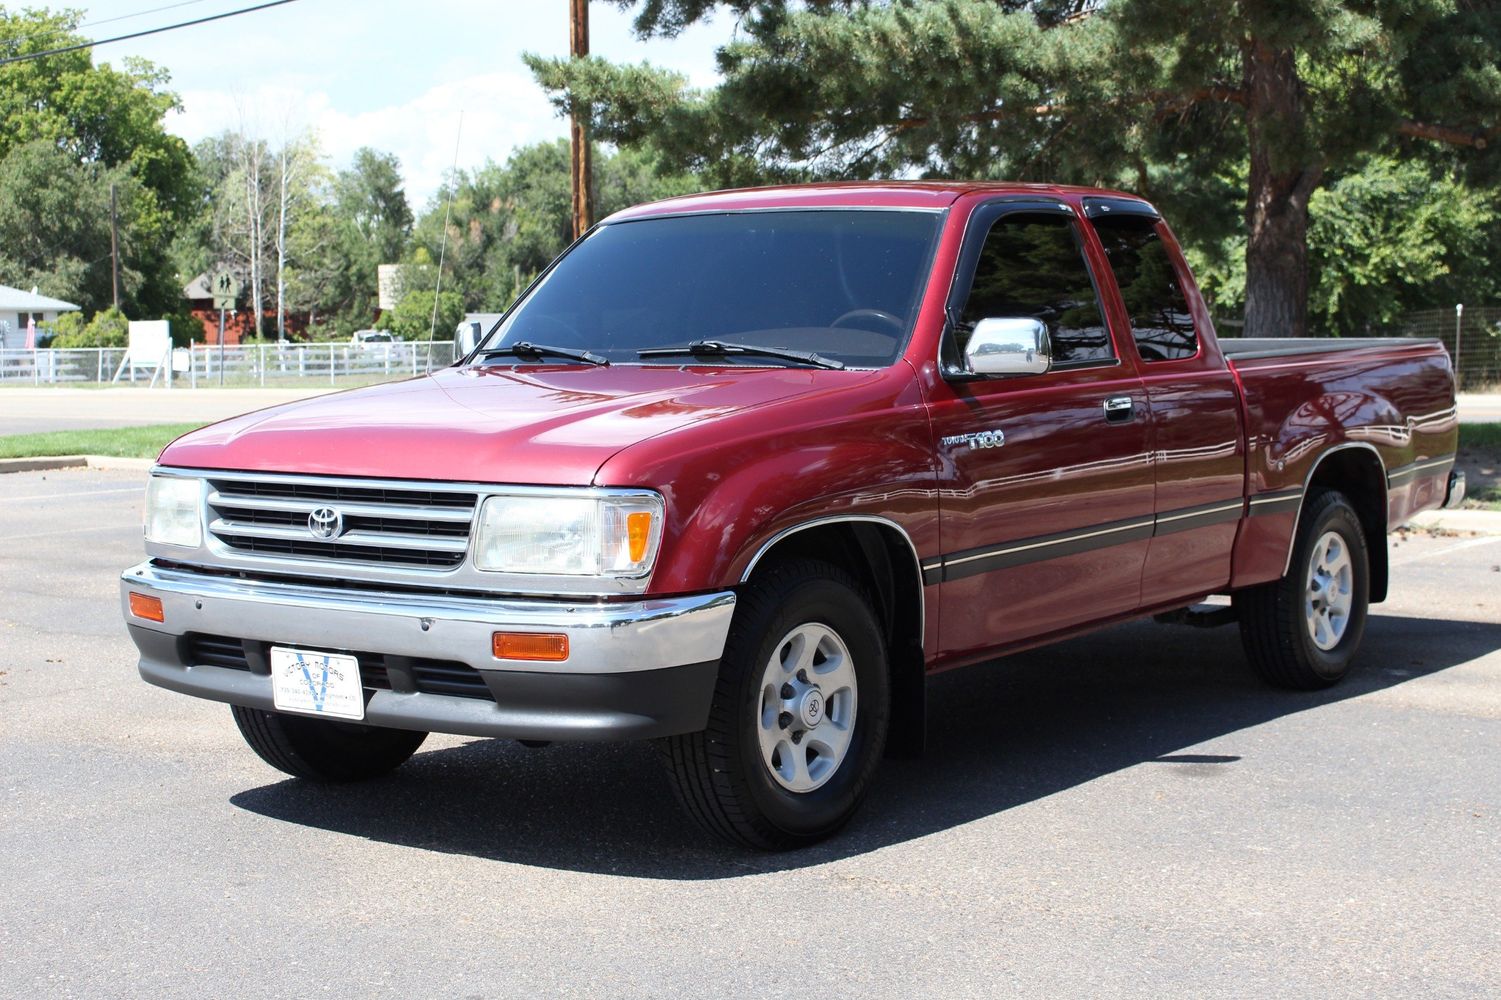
<point x="1046" y="488"/>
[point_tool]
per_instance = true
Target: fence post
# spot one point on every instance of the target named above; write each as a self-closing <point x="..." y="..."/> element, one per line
<point x="261" y="354"/>
<point x="330" y="362"/>
<point x="99" y="366"/>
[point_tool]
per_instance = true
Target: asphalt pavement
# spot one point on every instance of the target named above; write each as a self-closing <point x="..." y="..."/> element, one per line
<point x="25" y="410"/>
<point x="1129" y="814"/>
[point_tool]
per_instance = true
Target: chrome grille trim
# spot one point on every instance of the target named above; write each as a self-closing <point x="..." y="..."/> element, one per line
<point x="420" y="525"/>
<point x="461" y="515"/>
<point x="284" y="500"/>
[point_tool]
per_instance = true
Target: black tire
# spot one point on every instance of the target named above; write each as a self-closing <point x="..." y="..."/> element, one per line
<point x="1274" y="625"/>
<point x="322" y="749"/>
<point x="720" y="776"/>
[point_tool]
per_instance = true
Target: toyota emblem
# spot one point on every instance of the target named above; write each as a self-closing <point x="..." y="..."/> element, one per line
<point x="325" y="523"/>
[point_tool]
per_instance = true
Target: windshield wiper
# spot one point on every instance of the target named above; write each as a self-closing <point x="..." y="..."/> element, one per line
<point x="527" y="349"/>
<point x="721" y="349"/>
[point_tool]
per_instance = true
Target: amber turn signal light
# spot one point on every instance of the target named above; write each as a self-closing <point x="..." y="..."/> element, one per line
<point x="637" y="534"/>
<point x="149" y="608"/>
<point x="530" y="646"/>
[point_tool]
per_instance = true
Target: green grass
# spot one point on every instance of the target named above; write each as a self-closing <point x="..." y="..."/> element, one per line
<point x="1480" y="436"/>
<point x="122" y="442"/>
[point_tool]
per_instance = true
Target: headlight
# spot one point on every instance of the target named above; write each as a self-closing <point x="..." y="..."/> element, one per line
<point x="172" y="511"/>
<point x="569" y="536"/>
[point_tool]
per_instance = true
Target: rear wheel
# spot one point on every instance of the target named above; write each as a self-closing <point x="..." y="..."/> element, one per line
<point x="1303" y="630"/>
<point x="799" y="717"/>
<point x="324" y="750"/>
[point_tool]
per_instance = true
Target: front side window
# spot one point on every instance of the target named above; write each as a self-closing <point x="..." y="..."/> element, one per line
<point x="842" y="284"/>
<point x="1160" y="321"/>
<point x="1033" y="266"/>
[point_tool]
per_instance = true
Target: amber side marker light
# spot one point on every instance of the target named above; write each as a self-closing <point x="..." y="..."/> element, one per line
<point x="530" y="646"/>
<point x="637" y="534"/>
<point x="149" y="608"/>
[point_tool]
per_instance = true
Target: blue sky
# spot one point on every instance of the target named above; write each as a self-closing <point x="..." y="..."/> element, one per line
<point x="392" y="74"/>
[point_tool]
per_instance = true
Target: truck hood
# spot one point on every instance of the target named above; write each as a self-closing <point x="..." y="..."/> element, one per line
<point x="529" y="425"/>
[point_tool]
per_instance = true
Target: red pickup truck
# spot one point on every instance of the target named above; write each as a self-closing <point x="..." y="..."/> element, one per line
<point x="739" y="470"/>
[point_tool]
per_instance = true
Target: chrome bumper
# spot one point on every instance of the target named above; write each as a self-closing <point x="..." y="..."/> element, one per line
<point x="642" y="667"/>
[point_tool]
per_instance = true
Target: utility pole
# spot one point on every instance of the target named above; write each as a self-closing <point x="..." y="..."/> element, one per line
<point x="114" y="247"/>
<point x="581" y="167"/>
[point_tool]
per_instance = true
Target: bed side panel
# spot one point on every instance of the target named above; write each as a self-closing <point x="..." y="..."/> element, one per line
<point x="1396" y="401"/>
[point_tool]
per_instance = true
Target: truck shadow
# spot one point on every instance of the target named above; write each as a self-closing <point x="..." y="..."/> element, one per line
<point x="1001" y="735"/>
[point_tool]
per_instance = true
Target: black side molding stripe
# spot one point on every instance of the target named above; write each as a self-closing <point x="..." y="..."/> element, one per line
<point x="1189" y="518"/>
<point x="1403" y="474"/>
<point x="972" y="562"/>
<point x="1030" y="550"/>
<point x="1279" y="502"/>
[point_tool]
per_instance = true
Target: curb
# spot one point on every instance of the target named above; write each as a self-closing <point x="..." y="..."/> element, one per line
<point x="43" y="464"/>
<point x="50" y="462"/>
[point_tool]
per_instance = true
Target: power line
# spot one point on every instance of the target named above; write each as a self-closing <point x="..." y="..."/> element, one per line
<point x="21" y="39"/>
<point x="139" y="13"/>
<point x="143" y="34"/>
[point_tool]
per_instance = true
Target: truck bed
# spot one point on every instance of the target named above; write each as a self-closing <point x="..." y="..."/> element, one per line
<point x="1277" y="347"/>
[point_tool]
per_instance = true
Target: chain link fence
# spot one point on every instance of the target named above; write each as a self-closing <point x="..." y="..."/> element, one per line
<point x="1474" y="343"/>
<point x="280" y="364"/>
<point x="1472" y="338"/>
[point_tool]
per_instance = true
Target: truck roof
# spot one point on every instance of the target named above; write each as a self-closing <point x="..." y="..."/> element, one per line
<point x="851" y="194"/>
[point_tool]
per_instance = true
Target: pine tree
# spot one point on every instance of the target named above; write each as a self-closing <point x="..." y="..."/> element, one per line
<point x="1192" y="104"/>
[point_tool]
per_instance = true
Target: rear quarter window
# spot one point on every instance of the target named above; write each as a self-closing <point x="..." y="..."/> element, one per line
<point x="1161" y="323"/>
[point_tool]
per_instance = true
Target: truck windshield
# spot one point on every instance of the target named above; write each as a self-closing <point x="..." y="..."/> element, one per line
<point x="840" y="284"/>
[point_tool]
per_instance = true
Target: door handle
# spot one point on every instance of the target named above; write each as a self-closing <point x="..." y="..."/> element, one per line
<point x="1119" y="409"/>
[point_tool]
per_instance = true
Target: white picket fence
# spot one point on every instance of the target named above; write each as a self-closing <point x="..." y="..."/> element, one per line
<point x="332" y="363"/>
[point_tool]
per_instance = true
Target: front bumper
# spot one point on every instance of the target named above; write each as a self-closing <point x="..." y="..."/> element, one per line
<point x="636" y="668"/>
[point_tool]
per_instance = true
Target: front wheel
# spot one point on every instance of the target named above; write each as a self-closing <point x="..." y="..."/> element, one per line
<point x="799" y="717"/>
<point x="1303" y="630"/>
<point x="322" y="749"/>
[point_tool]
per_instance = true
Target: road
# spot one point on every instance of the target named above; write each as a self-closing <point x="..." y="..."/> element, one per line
<point x="1475" y="408"/>
<point x="1128" y="814"/>
<point x="26" y="410"/>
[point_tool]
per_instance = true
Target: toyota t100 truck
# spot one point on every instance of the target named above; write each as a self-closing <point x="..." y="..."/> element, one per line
<point x="740" y="470"/>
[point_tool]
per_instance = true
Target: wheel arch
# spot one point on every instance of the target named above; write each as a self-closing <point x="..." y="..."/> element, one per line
<point x="1357" y="470"/>
<point x="881" y="555"/>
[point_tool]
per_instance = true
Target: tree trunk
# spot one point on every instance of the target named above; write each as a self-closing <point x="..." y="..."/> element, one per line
<point x="1280" y="184"/>
<point x="253" y="210"/>
<point x="281" y="249"/>
<point x="581" y="167"/>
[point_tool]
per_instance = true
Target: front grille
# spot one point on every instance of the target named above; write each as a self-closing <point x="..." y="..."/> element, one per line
<point x="411" y="673"/>
<point x="388" y="525"/>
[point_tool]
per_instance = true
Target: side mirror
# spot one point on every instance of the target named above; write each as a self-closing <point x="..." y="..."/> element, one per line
<point x="1009" y="347"/>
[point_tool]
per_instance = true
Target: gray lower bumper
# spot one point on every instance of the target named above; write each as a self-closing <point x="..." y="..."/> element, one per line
<point x="636" y="668"/>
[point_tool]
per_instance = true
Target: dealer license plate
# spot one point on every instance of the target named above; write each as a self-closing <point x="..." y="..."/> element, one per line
<point x="316" y="683"/>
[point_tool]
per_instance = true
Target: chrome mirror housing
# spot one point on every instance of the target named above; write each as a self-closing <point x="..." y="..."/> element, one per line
<point x="1013" y="346"/>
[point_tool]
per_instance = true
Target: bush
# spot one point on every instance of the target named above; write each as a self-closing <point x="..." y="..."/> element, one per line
<point x="68" y="326"/>
<point x="187" y="329"/>
<point x="108" y="328"/>
<point x="412" y="319"/>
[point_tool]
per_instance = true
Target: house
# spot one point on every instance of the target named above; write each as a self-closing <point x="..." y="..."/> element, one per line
<point x="18" y="308"/>
<point x="238" y="323"/>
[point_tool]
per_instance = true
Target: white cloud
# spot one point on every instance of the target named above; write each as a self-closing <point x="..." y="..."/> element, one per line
<point x="390" y="75"/>
<point x="501" y="111"/>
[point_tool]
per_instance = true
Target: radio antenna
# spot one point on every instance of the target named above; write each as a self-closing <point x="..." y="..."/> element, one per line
<point x="453" y="183"/>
